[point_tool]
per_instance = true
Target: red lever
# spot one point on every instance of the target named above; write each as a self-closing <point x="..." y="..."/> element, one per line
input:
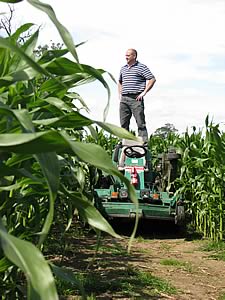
<point x="134" y="176"/>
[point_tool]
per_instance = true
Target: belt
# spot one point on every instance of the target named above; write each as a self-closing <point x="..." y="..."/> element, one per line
<point x="131" y="95"/>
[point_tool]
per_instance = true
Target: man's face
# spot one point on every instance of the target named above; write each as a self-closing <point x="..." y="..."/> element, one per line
<point x="130" y="56"/>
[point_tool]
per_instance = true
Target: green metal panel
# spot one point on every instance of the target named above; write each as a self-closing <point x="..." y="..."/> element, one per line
<point x="168" y="198"/>
<point x="141" y="180"/>
<point x="135" y="161"/>
<point x="148" y="211"/>
<point x="102" y="193"/>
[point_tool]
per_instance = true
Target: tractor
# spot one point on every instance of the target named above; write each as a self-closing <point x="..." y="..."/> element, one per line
<point x="154" y="186"/>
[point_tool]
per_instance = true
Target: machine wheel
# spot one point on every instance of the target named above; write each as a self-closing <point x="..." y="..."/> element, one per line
<point x="180" y="215"/>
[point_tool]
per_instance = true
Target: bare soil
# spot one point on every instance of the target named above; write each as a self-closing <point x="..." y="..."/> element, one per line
<point x="203" y="278"/>
<point x="197" y="276"/>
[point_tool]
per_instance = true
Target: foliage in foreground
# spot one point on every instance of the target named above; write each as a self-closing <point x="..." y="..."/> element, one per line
<point x="47" y="169"/>
<point x="45" y="166"/>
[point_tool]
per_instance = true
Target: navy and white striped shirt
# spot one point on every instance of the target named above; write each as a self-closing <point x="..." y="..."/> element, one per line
<point x="133" y="79"/>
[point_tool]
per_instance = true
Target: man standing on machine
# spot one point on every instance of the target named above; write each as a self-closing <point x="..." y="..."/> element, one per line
<point x="135" y="81"/>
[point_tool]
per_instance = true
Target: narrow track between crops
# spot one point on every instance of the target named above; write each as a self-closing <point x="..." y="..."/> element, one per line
<point x="159" y="249"/>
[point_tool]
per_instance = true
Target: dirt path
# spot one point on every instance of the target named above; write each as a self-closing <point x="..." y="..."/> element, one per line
<point x="197" y="277"/>
<point x="177" y="260"/>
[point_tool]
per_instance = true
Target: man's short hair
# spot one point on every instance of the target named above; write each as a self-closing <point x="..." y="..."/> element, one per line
<point x="135" y="52"/>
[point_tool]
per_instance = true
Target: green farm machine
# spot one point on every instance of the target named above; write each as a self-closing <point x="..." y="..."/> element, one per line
<point x="155" y="193"/>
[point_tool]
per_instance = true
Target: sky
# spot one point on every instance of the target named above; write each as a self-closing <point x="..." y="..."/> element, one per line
<point x="181" y="41"/>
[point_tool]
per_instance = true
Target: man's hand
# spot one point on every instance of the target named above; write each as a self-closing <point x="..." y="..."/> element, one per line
<point x="149" y="85"/>
<point x="140" y="97"/>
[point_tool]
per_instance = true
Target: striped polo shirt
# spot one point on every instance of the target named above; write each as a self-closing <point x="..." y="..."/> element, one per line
<point x="133" y="79"/>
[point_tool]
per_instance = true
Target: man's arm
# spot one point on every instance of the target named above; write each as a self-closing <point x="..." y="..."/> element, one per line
<point x="149" y="85"/>
<point x="119" y="89"/>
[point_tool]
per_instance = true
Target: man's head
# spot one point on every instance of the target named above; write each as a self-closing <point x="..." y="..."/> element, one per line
<point x="131" y="56"/>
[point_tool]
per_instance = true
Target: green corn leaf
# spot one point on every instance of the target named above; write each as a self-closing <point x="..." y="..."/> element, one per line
<point x="50" y="167"/>
<point x="4" y="264"/>
<point x="10" y="187"/>
<point x="72" y="120"/>
<point x="63" y="66"/>
<point x="93" y="154"/>
<point x="57" y="141"/>
<point x="97" y="73"/>
<point x="65" y="274"/>
<point x="21" y="30"/>
<point x="11" y="1"/>
<point x="54" y="53"/>
<point x="207" y="121"/>
<point x="58" y="103"/>
<point x="9" y="171"/>
<point x="53" y="85"/>
<point x="21" y="115"/>
<point x="17" y="159"/>
<point x="93" y="132"/>
<point x="89" y="212"/>
<point x="29" y="259"/>
<point x="44" y="141"/>
<point x="30" y="44"/>
<point x="75" y="96"/>
<point x="32" y="143"/>
<point x="17" y="62"/>
<point x="51" y="54"/>
<point x="96" y="156"/>
<point x="21" y="75"/>
<point x="64" y="33"/>
<point x="5" y="43"/>
<point x="117" y="131"/>
<point x="4" y="61"/>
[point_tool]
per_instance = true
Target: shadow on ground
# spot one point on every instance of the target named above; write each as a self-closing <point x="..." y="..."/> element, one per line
<point x="150" y="229"/>
<point x="108" y="273"/>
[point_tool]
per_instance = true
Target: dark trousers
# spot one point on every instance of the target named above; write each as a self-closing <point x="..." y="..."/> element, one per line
<point x="130" y="106"/>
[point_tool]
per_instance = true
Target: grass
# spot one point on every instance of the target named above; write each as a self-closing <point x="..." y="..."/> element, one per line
<point x="221" y="297"/>
<point x="214" y="246"/>
<point x="127" y="282"/>
<point x="146" y="251"/>
<point x="218" y="249"/>
<point x="165" y="247"/>
<point x="178" y="264"/>
<point x="141" y="239"/>
<point x="113" y="249"/>
<point x="218" y="256"/>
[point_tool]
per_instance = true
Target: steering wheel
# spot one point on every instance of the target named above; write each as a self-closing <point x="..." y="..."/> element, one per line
<point x="135" y="151"/>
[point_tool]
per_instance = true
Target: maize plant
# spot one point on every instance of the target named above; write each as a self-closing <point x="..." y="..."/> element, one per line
<point x="202" y="179"/>
<point x="44" y="164"/>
